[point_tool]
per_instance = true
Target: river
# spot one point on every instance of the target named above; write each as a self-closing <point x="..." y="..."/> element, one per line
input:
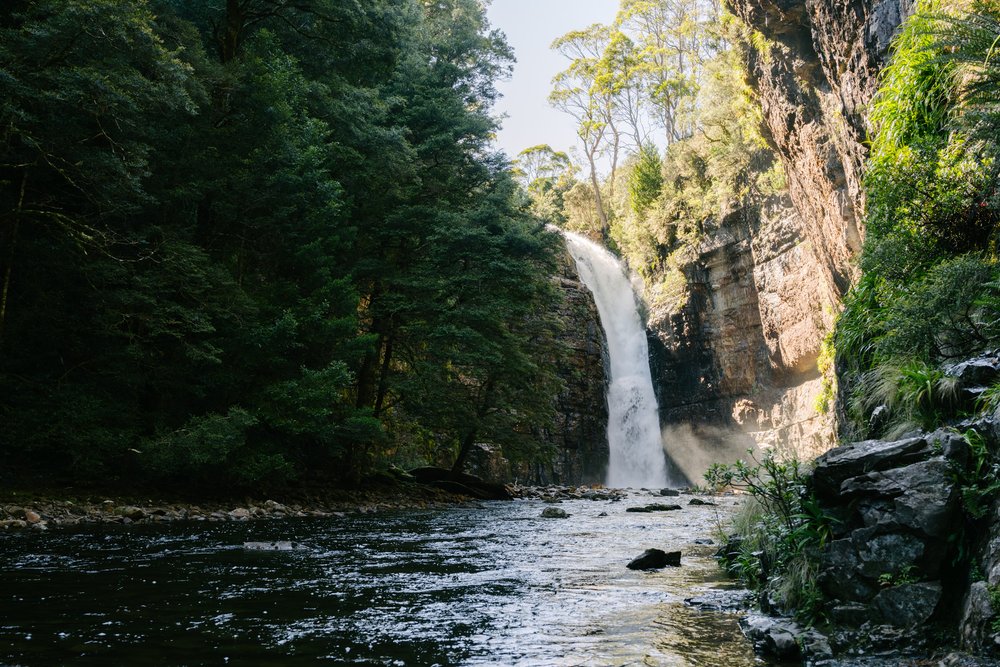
<point x="483" y="584"/>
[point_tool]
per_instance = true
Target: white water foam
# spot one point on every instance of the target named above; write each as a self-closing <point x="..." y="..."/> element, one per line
<point x="637" y="455"/>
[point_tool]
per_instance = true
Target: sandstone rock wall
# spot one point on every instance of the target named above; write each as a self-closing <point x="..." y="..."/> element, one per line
<point x="737" y="365"/>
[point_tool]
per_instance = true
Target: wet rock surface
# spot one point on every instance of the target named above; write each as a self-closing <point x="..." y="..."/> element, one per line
<point x="655" y="559"/>
<point x="654" y="507"/>
<point x="42" y="513"/>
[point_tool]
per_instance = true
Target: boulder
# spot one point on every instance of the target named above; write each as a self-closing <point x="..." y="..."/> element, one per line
<point x="554" y="513"/>
<point x="923" y="495"/>
<point x="891" y="554"/>
<point x="978" y="617"/>
<point x="860" y="458"/>
<point x="655" y="507"/>
<point x="239" y="514"/>
<point x="669" y="492"/>
<point x="654" y="559"/>
<point x="32" y="517"/>
<point x="981" y="371"/>
<point x="907" y="605"/>
<point x="699" y="501"/>
<point x="772" y="636"/>
<point x="133" y="513"/>
<point x="840" y="578"/>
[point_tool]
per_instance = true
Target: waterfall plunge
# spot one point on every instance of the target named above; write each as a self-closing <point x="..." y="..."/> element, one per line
<point x="637" y="457"/>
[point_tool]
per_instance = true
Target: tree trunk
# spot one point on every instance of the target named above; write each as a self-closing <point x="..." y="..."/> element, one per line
<point x="598" y="200"/>
<point x="383" y="378"/>
<point x="232" y="32"/>
<point x="463" y="454"/>
<point x="367" y="382"/>
<point x="8" y="264"/>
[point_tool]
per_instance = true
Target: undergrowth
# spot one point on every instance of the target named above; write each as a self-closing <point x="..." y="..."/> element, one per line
<point x="777" y="534"/>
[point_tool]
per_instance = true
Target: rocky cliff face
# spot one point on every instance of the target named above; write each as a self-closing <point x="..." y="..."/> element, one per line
<point x="738" y="363"/>
<point x="737" y="366"/>
<point x="579" y="438"/>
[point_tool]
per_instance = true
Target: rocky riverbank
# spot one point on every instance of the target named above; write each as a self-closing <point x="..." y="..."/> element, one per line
<point x="37" y="512"/>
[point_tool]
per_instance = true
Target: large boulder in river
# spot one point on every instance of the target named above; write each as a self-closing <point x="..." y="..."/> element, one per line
<point x="654" y="559"/>
<point x="554" y="513"/>
<point x="655" y="507"/>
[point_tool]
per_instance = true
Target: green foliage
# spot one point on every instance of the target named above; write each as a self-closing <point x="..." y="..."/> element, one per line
<point x="928" y="293"/>
<point x="245" y="256"/>
<point x="914" y="394"/>
<point x="825" y="366"/>
<point x="908" y="575"/>
<point x="994" y="596"/>
<point x="645" y="181"/>
<point x="778" y="532"/>
<point x="980" y="480"/>
<point x="989" y="401"/>
<point x="214" y="450"/>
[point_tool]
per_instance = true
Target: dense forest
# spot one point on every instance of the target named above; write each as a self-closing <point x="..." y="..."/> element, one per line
<point x="245" y="242"/>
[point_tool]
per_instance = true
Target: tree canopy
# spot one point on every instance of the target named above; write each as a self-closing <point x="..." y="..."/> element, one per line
<point x="246" y="241"/>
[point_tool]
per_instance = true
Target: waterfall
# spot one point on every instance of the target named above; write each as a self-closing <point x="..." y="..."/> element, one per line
<point x="637" y="457"/>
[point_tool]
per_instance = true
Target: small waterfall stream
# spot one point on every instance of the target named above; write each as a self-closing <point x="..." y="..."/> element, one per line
<point x="637" y="458"/>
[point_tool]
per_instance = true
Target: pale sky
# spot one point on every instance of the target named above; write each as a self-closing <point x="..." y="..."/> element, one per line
<point x="531" y="26"/>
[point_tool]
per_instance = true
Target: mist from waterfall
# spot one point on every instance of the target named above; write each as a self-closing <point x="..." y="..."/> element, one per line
<point x="637" y="455"/>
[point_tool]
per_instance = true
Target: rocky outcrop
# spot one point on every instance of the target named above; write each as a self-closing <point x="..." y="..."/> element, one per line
<point x="815" y="79"/>
<point x="738" y="362"/>
<point x="910" y="559"/>
<point x="736" y="367"/>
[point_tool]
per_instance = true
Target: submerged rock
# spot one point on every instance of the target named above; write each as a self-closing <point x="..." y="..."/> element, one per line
<point x="654" y="559"/>
<point x="699" y="501"/>
<point x="728" y="600"/>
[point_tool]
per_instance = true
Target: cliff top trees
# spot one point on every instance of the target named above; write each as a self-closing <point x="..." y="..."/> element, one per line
<point x="661" y="105"/>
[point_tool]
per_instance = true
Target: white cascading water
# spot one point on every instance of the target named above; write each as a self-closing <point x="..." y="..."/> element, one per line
<point x="637" y="458"/>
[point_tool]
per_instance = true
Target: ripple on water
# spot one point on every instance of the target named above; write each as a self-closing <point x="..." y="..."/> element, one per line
<point x="463" y="586"/>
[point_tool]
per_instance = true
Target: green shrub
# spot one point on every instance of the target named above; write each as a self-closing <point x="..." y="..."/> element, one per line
<point x="779" y="530"/>
<point x="214" y="450"/>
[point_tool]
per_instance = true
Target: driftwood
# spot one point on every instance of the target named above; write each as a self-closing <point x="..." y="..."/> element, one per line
<point x="460" y="483"/>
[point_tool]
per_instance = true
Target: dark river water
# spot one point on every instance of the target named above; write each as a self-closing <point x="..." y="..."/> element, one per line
<point x="492" y="584"/>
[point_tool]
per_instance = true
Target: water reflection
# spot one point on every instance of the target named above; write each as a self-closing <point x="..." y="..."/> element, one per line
<point x="477" y="586"/>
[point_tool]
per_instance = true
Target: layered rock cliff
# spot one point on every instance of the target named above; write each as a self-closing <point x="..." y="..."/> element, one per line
<point x="579" y="437"/>
<point x="739" y="362"/>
